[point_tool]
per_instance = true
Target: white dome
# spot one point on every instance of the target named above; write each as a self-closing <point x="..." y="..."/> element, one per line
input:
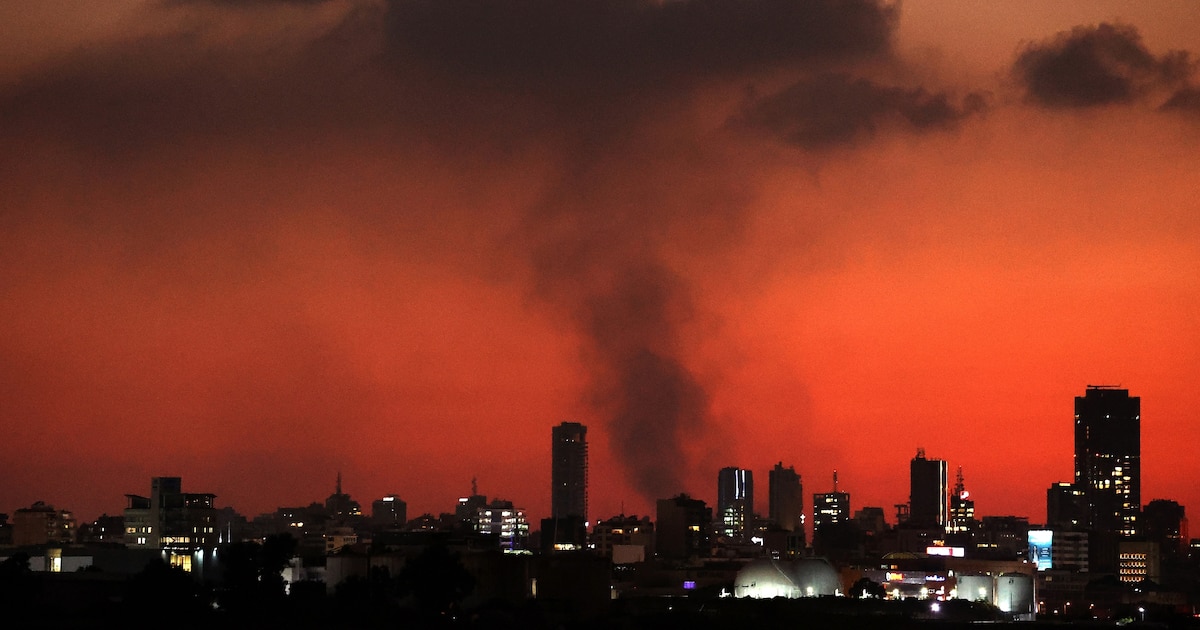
<point x="767" y="578"/>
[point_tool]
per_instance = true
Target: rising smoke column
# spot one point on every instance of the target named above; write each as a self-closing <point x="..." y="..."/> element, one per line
<point x="621" y="79"/>
<point x="609" y="89"/>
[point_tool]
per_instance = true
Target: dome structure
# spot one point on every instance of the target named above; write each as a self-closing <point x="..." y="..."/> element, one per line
<point x="766" y="578"/>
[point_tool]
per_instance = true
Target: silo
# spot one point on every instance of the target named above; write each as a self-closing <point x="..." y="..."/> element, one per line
<point x="814" y="577"/>
<point x="976" y="587"/>
<point x="1014" y="594"/>
<point x="766" y="578"/>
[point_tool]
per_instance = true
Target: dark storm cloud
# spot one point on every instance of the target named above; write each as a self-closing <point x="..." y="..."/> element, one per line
<point x="599" y="45"/>
<point x="835" y="108"/>
<point x="1096" y="65"/>
<point x="1187" y="99"/>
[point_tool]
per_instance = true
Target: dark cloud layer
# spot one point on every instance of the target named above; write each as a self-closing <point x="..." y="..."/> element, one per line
<point x="835" y="108"/>
<point x="595" y="46"/>
<point x="1096" y="65"/>
<point x="1187" y="99"/>
<point x="604" y="87"/>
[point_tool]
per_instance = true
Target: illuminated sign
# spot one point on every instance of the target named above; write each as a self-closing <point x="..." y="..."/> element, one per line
<point x="1040" y="541"/>
<point x="954" y="552"/>
<point x="689" y="585"/>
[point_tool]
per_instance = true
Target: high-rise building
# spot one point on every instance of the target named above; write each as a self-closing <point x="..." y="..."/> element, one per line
<point x="506" y="522"/>
<point x="1165" y="522"/>
<point x="682" y="528"/>
<point x="1064" y="506"/>
<point x="466" y="508"/>
<point x="1108" y="466"/>
<point x="735" y="502"/>
<point x="786" y="505"/>
<point x="389" y="512"/>
<point x="179" y="523"/>
<point x="928" y="491"/>
<point x="830" y="509"/>
<point x="962" y="508"/>
<point x="569" y="471"/>
<point x="340" y="506"/>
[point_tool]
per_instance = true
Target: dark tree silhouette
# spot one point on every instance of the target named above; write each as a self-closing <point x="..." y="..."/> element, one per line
<point x="18" y="585"/>
<point x="866" y="587"/>
<point x="251" y="573"/>
<point x="161" y="589"/>
<point x="437" y="580"/>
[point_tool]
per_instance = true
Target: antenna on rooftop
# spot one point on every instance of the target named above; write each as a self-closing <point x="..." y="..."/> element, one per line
<point x="474" y="487"/>
<point x="835" y="480"/>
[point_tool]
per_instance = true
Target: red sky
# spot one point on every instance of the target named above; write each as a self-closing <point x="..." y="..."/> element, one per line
<point x="253" y="244"/>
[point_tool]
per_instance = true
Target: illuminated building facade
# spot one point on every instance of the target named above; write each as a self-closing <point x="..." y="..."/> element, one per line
<point x="1108" y="459"/>
<point x="735" y="502"/>
<point x="179" y="523"/>
<point x="928" y="491"/>
<point x="962" y="508"/>
<point x="569" y="471"/>
<point x="830" y="509"/>
<point x="506" y="522"/>
<point x="623" y="531"/>
<point x="1138" y="561"/>
<point x="786" y="498"/>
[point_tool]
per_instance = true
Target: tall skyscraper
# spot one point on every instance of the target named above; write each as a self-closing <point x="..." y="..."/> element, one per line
<point x="569" y="471"/>
<point x="1108" y="466"/>
<point x="927" y="491"/>
<point x="735" y="502"/>
<point x="830" y="509"/>
<point x="962" y="508"/>
<point x="786" y="506"/>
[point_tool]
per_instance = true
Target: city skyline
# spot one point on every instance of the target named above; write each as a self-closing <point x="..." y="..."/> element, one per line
<point x="257" y="244"/>
<point x="569" y="439"/>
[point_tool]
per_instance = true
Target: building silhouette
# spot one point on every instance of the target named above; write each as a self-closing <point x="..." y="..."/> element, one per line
<point x="467" y="507"/>
<point x="682" y="528"/>
<point x="831" y="516"/>
<point x="1064" y="506"/>
<point x="624" y="539"/>
<point x="1108" y="459"/>
<point x="569" y="471"/>
<point x="41" y="524"/>
<point x="735" y="502"/>
<point x="340" y="506"/>
<point x="786" y="498"/>
<point x="928" y="491"/>
<point x="1165" y="522"/>
<point x="389" y="512"/>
